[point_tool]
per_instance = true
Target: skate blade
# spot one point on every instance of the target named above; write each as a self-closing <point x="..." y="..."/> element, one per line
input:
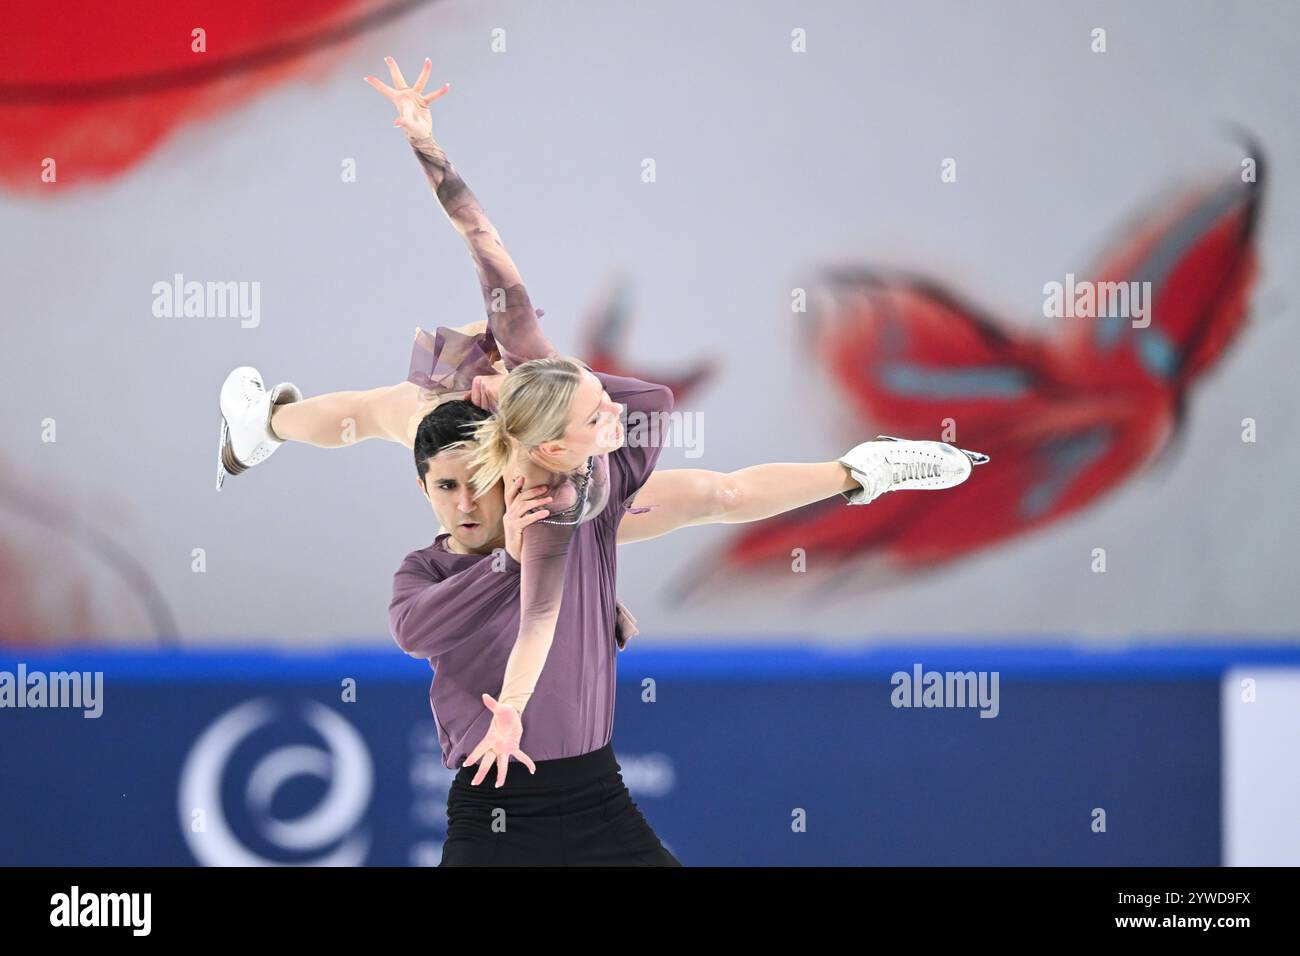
<point x="221" y="447"/>
<point x="227" y="463"/>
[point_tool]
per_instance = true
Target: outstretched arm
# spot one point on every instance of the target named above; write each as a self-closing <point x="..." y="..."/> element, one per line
<point x="511" y="315"/>
<point x="680" y="498"/>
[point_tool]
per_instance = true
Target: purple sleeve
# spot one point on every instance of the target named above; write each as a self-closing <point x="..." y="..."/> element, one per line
<point x="431" y="614"/>
<point x="511" y="316"/>
<point x="544" y="557"/>
<point x="631" y="465"/>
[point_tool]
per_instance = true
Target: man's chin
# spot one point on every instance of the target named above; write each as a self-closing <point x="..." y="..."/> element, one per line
<point x="478" y="538"/>
<point x="470" y="536"/>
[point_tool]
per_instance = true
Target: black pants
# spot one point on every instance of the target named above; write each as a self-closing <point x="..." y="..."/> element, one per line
<point x="575" y="811"/>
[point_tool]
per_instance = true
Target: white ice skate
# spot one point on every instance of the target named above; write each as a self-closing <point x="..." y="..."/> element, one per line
<point x="895" y="464"/>
<point x="246" y="406"/>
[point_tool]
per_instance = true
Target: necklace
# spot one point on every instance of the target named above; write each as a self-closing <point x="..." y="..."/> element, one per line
<point x="583" y="483"/>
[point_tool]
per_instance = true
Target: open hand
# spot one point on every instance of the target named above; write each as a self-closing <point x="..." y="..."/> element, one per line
<point x="500" y="743"/>
<point x="412" y="102"/>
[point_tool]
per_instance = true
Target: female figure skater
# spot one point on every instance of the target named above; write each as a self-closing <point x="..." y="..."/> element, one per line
<point x="451" y="605"/>
<point x="556" y="425"/>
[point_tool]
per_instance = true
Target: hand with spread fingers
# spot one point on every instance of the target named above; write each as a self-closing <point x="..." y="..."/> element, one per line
<point x="413" y="114"/>
<point x="500" y="743"/>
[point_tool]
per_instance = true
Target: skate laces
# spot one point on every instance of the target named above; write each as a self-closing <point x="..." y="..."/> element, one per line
<point x="921" y="469"/>
<point x="918" y="470"/>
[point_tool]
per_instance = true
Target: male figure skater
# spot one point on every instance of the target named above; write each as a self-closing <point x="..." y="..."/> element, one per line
<point x="456" y="604"/>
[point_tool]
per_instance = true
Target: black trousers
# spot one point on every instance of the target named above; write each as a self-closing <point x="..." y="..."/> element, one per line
<point x="575" y="811"/>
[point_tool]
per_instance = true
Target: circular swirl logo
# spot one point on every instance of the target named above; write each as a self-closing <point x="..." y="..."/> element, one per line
<point x="328" y="834"/>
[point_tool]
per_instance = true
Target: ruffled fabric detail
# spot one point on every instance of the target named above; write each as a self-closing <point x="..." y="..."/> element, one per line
<point x="449" y="361"/>
<point x="625" y="625"/>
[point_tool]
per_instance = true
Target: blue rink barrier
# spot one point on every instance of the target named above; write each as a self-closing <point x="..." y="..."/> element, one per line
<point x="753" y="755"/>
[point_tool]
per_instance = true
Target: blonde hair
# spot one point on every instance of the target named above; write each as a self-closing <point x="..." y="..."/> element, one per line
<point x="533" y="408"/>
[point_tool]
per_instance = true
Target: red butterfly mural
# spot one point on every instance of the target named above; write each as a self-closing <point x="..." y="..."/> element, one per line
<point x="1065" y="419"/>
<point x="602" y="338"/>
<point x="97" y="87"/>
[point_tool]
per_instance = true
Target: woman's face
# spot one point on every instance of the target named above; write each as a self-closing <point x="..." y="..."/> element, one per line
<point x="595" y="424"/>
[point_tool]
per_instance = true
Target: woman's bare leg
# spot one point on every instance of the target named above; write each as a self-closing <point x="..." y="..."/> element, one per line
<point x="337" y="419"/>
<point x="345" y="418"/>
<point x="693" y="496"/>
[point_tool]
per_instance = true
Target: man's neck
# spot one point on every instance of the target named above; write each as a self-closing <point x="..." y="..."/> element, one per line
<point x="455" y="546"/>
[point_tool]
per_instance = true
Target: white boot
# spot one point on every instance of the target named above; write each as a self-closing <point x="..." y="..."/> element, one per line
<point x="246" y="406"/>
<point x="894" y="464"/>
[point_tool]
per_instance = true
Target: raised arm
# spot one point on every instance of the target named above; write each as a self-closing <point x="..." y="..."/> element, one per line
<point x="511" y="315"/>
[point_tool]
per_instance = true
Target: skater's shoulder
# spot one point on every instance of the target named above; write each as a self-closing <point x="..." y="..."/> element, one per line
<point x="435" y="562"/>
<point x="432" y="559"/>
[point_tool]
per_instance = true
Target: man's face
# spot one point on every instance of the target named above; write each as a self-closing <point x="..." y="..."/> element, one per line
<point x="475" y="524"/>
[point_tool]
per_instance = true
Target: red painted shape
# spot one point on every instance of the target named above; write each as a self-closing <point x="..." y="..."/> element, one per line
<point x="85" y="49"/>
<point x="1065" y="419"/>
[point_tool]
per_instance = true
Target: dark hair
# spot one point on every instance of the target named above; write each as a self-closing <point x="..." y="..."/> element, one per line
<point x="449" y="423"/>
